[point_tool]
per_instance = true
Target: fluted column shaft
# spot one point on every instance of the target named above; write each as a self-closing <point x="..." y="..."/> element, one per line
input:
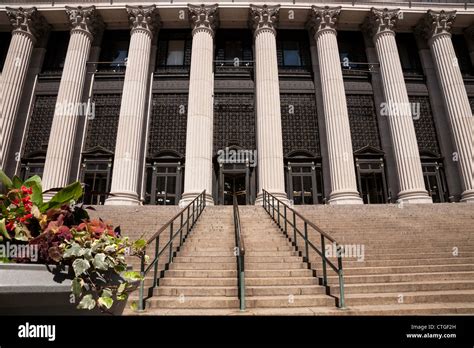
<point x="340" y="153"/>
<point x="68" y="110"/>
<point x="28" y="27"/>
<point x="199" y="130"/>
<point x="126" y="171"/>
<point x="269" y="133"/>
<point x="267" y="91"/>
<point x="402" y="129"/>
<point x="455" y="101"/>
<point x="199" y="134"/>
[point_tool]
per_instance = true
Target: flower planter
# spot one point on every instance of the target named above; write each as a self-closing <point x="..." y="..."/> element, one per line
<point x="32" y="289"/>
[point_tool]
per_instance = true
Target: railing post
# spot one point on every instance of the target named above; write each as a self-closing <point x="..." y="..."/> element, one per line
<point x="278" y="211"/>
<point x="187" y="222"/>
<point x="294" y="229"/>
<point x="141" y="300"/>
<point x="155" y="267"/>
<point x="286" y="221"/>
<point x="194" y="209"/>
<point x="171" y="242"/>
<point x="306" y="241"/>
<point x="340" y="272"/>
<point x="273" y="208"/>
<point x="323" y="251"/>
<point x="181" y="230"/>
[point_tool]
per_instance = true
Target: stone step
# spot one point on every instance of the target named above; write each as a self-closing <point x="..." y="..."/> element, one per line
<point x="407" y="277"/>
<point x="278" y="301"/>
<point x="275" y="290"/>
<point x="404" y="287"/>
<point x="268" y="281"/>
<point x="229" y="291"/>
<point x="445" y="296"/>
<point x="404" y="269"/>
<point x="170" y="281"/>
<point x="191" y="302"/>
<point x="411" y="262"/>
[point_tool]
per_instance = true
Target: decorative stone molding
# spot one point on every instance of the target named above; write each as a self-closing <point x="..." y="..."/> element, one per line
<point x="85" y="19"/>
<point x="323" y="18"/>
<point x="264" y="18"/>
<point x="435" y="23"/>
<point x="143" y="18"/>
<point x="28" y="21"/>
<point x="203" y="17"/>
<point x="380" y="21"/>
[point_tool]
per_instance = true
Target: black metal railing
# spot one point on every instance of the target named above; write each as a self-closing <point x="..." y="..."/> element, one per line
<point x="187" y="218"/>
<point x="240" y="254"/>
<point x="286" y="217"/>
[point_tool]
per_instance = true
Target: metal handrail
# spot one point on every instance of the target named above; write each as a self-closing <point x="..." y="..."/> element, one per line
<point x="240" y="254"/>
<point x="273" y="206"/>
<point x="192" y="211"/>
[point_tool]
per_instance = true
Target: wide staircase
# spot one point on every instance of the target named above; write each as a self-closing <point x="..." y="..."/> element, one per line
<point x="417" y="259"/>
<point x="412" y="259"/>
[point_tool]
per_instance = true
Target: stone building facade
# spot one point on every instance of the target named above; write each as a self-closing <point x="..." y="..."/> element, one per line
<point x="151" y="103"/>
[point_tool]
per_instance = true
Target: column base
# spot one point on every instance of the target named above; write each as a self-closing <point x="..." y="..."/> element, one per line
<point x="188" y="197"/>
<point x="414" y="197"/>
<point x="345" y="197"/>
<point x="467" y="196"/>
<point x="282" y="196"/>
<point x="123" y="198"/>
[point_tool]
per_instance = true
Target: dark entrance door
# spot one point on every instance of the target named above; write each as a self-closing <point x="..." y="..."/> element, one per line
<point x="164" y="184"/>
<point x="371" y="180"/>
<point x="304" y="183"/>
<point x="234" y="184"/>
<point x="434" y="181"/>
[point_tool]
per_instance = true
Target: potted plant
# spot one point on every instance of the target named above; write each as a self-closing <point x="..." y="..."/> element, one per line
<point x="54" y="259"/>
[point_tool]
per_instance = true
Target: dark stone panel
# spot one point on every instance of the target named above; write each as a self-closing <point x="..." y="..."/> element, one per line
<point x="234" y="121"/>
<point x="40" y="123"/>
<point x="168" y="123"/>
<point x="363" y="121"/>
<point x="299" y="123"/>
<point x="102" y="128"/>
<point x="424" y="126"/>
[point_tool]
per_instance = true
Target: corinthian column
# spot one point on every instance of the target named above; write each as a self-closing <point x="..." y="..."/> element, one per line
<point x="199" y="133"/>
<point x="341" y="163"/>
<point x="126" y="171"/>
<point x="436" y="27"/>
<point x="85" y="23"/>
<point x="28" y="27"/>
<point x="264" y="20"/>
<point x="380" y="25"/>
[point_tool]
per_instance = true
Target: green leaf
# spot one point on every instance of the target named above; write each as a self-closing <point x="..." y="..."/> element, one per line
<point x="121" y="288"/>
<point x="76" y="287"/>
<point x="80" y="266"/>
<point x="139" y="244"/>
<point x="74" y="250"/>
<point x="106" y="302"/>
<point x="33" y="179"/>
<point x="67" y="194"/>
<point x="106" y="292"/>
<point x="37" y="195"/>
<point x="16" y="182"/>
<point x="87" y="302"/>
<point x="134" y="306"/>
<point x="3" y="229"/>
<point x="99" y="262"/>
<point x="122" y="297"/>
<point x="5" y="180"/>
<point x="132" y="276"/>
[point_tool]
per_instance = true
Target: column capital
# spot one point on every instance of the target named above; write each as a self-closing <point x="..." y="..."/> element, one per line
<point x="143" y="18"/>
<point x="435" y="23"/>
<point x="203" y="17"/>
<point x="380" y="21"/>
<point x="323" y="18"/>
<point x="85" y="19"/>
<point x="264" y="18"/>
<point x="28" y="21"/>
